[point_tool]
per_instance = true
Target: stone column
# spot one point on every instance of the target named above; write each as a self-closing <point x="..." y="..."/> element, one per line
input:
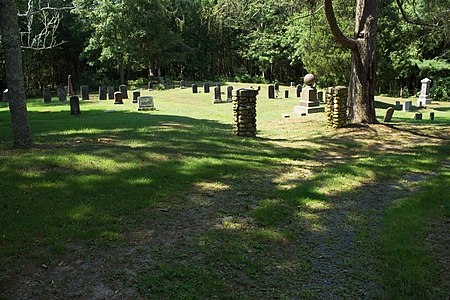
<point x="425" y="97"/>
<point x="136" y="95"/>
<point x="84" y="91"/>
<point x="111" y="91"/>
<point x="194" y="89"/>
<point x="118" y="98"/>
<point x="124" y="91"/>
<point x="244" y="112"/>
<point x="206" y="87"/>
<point x="74" y="105"/>
<point x="337" y="106"/>
<point x="47" y="96"/>
<point x="102" y="93"/>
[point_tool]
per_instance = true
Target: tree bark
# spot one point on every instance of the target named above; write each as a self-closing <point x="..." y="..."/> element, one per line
<point x="12" y="54"/>
<point x="361" y="97"/>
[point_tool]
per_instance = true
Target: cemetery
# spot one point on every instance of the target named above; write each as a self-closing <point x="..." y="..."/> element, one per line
<point x="183" y="177"/>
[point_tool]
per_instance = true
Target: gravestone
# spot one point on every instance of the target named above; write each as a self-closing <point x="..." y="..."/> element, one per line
<point x="102" y="93"/>
<point x="407" y="105"/>
<point x="397" y="104"/>
<point x="74" y="105"/>
<point x="389" y="114"/>
<point x="299" y="91"/>
<point x="69" y="85"/>
<point x="61" y="94"/>
<point x="276" y="86"/>
<point x="206" y="87"/>
<point x="118" y="98"/>
<point x="286" y="94"/>
<point x="425" y="97"/>
<point x="182" y="84"/>
<point x="194" y="89"/>
<point x="136" y="95"/>
<point x="229" y="94"/>
<point x="309" y="102"/>
<point x="292" y="84"/>
<point x="150" y="86"/>
<point x="418" y="116"/>
<point x="124" y="91"/>
<point x="217" y="95"/>
<point x="320" y="96"/>
<point x="146" y="103"/>
<point x="47" y="96"/>
<point x="271" y="91"/>
<point x="111" y="91"/>
<point x="5" y="95"/>
<point x="432" y="116"/>
<point x="84" y="91"/>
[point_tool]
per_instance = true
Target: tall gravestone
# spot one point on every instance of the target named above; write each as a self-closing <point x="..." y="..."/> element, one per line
<point x="111" y="91"/>
<point x="286" y="94"/>
<point x="271" y="91"/>
<point x="229" y="94"/>
<point x="150" y="86"/>
<point x="425" y="97"/>
<point x="74" y="105"/>
<point x="299" y="90"/>
<point x="309" y="102"/>
<point x="136" y="95"/>
<point x="69" y="85"/>
<point x="61" y="94"/>
<point x="124" y="91"/>
<point x="47" y="96"/>
<point x="118" y="98"/>
<point x="389" y="114"/>
<point x="206" y="87"/>
<point x="194" y="88"/>
<point x="84" y="91"/>
<point x="244" y="112"/>
<point x="102" y="93"/>
<point x="217" y="95"/>
<point x="182" y="84"/>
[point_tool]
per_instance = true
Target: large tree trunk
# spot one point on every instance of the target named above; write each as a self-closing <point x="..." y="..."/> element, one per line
<point x="361" y="100"/>
<point x="14" y="74"/>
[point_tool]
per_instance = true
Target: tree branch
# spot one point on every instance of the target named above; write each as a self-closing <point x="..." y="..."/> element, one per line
<point x="408" y="19"/>
<point x="340" y="37"/>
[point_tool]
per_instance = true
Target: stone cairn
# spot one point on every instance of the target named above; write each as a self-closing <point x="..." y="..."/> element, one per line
<point x="337" y="106"/>
<point x="244" y="112"/>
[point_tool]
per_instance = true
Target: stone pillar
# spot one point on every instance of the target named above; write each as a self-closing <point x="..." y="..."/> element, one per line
<point x="229" y="94"/>
<point x="271" y="91"/>
<point x="244" y="112"/>
<point x="194" y="89"/>
<point x="206" y="87"/>
<point x="299" y="91"/>
<point x="74" y="105"/>
<point x="61" y="94"/>
<point x="102" y="93"/>
<point x="150" y="86"/>
<point x="118" y="98"/>
<point x="336" y="106"/>
<point x="425" y="97"/>
<point x="47" y="96"/>
<point x="136" y="95"/>
<point x="111" y="91"/>
<point x="182" y="84"/>
<point x="286" y="94"/>
<point x="84" y="92"/>
<point x="217" y="95"/>
<point x="124" y="91"/>
<point x="69" y="85"/>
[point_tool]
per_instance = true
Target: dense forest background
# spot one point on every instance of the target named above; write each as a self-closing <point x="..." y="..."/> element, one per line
<point x="113" y="41"/>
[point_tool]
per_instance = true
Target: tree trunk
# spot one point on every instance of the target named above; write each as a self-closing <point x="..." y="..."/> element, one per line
<point x="14" y="74"/>
<point x="361" y="96"/>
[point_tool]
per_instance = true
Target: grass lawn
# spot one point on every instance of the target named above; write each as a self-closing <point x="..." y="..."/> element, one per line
<point x="168" y="204"/>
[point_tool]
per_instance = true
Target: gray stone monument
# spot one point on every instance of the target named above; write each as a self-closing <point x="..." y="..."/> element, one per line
<point x="146" y="103"/>
<point x="61" y="94"/>
<point x="194" y="89"/>
<point x="229" y="94"/>
<point x="136" y="95"/>
<point x="206" y="87"/>
<point x="102" y="93"/>
<point x="217" y="95"/>
<point x="111" y="91"/>
<point x="74" y="105"/>
<point x="271" y="91"/>
<point x="389" y="114"/>
<point x="425" y="97"/>
<point x="407" y="105"/>
<point x="47" y="96"/>
<point x="124" y="91"/>
<point x="118" y="98"/>
<point x="309" y="102"/>
<point x="84" y="92"/>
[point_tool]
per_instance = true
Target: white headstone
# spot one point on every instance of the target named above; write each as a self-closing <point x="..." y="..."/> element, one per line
<point x="424" y="97"/>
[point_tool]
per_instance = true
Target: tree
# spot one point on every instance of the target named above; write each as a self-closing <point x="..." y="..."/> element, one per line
<point x="12" y="54"/>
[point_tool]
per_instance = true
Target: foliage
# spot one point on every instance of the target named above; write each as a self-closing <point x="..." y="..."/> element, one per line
<point x="440" y="89"/>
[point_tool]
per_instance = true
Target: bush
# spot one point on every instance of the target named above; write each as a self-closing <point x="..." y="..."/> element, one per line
<point x="160" y="87"/>
<point x="441" y="89"/>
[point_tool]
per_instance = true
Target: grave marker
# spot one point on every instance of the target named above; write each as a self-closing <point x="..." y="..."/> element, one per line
<point x="425" y="97"/>
<point x="389" y="114"/>
<point x="271" y="91"/>
<point x="111" y="91"/>
<point x="74" y="105"/>
<point x="418" y="116"/>
<point x="229" y="94"/>
<point x="217" y="95"/>
<point x="47" y="96"/>
<point x="286" y="94"/>
<point x="84" y="91"/>
<point x="182" y="84"/>
<point x="145" y="103"/>
<point x="61" y="94"/>
<point x="150" y="86"/>
<point x="102" y="93"/>
<point x="407" y="105"/>
<point x="118" y="98"/>
<point x="136" y="95"/>
<point x="308" y="102"/>
<point x="194" y="89"/>
<point x="206" y="87"/>
<point x="124" y="91"/>
<point x="299" y="91"/>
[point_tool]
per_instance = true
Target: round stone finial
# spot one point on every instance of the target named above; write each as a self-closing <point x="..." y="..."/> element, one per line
<point x="309" y="79"/>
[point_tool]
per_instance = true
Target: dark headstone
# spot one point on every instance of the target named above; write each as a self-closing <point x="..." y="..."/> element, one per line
<point x="150" y="86"/>
<point x="61" y="94"/>
<point x="136" y="95"/>
<point x="69" y="85"/>
<point x="194" y="89"/>
<point x="84" y="91"/>
<point x="118" y="98"/>
<point x="102" y="93"/>
<point x="111" y="91"/>
<point x="389" y="114"/>
<point x="146" y="103"/>
<point x="74" y="105"/>
<point x="320" y="96"/>
<point x="299" y="91"/>
<point x="418" y="116"/>
<point x="286" y="94"/>
<point x="271" y="91"/>
<point x="229" y="93"/>
<point x="206" y="87"/>
<point x="432" y="116"/>
<point x="47" y="96"/>
<point x="276" y="86"/>
<point x="124" y="91"/>
<point x="217" y="95"/>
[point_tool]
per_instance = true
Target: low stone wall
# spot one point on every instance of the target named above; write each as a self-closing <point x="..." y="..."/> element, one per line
<point x="244" y="112"/>
<point x="336" y="106"/>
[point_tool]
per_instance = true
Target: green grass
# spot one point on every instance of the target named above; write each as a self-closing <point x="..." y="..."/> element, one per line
<point x="217" y="215"/>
